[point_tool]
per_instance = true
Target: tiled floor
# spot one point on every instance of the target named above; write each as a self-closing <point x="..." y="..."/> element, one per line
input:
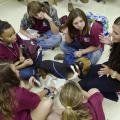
<point x="12" y="11"/>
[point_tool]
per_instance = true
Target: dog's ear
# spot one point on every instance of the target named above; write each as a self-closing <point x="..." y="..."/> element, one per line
<point x="76" y="67"/>
<point x="75" y="73"/>
<point x="83" y="64"/>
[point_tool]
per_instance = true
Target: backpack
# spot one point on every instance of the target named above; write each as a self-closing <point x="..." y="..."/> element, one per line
<point x="102" y="19"/>
<point x="29" y="48"/>
<point x="63" y="19"/>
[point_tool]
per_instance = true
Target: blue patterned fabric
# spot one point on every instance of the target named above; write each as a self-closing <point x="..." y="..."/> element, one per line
<point x="92" y="17"/>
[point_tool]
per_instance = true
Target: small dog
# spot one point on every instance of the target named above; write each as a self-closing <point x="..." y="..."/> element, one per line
<point x="64" y="71"/>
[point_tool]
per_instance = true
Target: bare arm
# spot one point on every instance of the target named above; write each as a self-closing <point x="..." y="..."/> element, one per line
<point x="67" y="35"/>
<point x="42" y="93"/>
<point x="20" y="65"/>
<point x="53" y="27"/>
<point x="22" y="58"/>
<point x="20" y="52"/>
<point x="85" y="51"/>
<point x="105" y="70"/>
<point x="89" y="49"/>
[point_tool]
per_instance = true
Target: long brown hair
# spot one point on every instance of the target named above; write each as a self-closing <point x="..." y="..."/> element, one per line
<point x="114" y="59"/>
<point x="8" y="80"/>
<point x="69" y="23"/>
<point x="71" y="98"/>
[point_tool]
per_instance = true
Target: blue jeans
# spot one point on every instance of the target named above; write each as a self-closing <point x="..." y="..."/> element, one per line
<point x="49" y="40"/>
<point x="69" y="49"/>
<point x="26" y="73"/>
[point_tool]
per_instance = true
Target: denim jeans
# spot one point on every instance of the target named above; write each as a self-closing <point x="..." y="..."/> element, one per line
<point x="49" y="40"/>
<point x="26" y="73"/>
<point x="72" y="47"/>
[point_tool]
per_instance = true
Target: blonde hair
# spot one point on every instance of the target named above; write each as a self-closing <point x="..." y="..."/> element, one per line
<point x="71" y="98"/>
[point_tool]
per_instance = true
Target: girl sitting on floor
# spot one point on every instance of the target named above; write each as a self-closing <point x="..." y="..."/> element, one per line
<point x="77" y="104"/>
<point x="106" y="76"/>
<point x="11" y="51"/>
<point x="81" y="38"/>
<point x="17" y="103"/>
<point x="39" y="18"/>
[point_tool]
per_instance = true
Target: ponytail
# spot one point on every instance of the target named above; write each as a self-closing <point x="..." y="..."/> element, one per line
<point x="69" y="114"/>
<point x="71" y="98"/>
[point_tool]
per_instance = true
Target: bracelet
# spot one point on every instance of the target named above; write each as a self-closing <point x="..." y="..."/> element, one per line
<point x="47" y="90"/>
<point x="50" y="20"/>
<point x="114" y="75"/>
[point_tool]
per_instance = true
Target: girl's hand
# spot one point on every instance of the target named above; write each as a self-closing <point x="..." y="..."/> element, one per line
<point x="22" y="59"/>
<point x="53" y="92"/>
<point x="105" y="39"/>
<point x="35" y="36"/>
<point x="47" y="17"/>
<point x="28" y="62"/>
<point x="105" y="70"/>
<point x="78" y="53"/>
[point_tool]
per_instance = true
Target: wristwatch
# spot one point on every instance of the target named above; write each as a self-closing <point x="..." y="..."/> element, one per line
<point x="47" y="90"/>
<point x="114" y="75"/>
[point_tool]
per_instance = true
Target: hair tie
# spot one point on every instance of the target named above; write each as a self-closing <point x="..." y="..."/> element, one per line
<point x="68" y="107"/>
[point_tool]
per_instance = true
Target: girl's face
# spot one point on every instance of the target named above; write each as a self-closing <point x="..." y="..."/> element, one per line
<point x="8" y="36"/>
<point x="116" y="33"/>
<point x="15" y="70"/>
<point x="39" y="16"/>
<point x="79" y="23"/>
